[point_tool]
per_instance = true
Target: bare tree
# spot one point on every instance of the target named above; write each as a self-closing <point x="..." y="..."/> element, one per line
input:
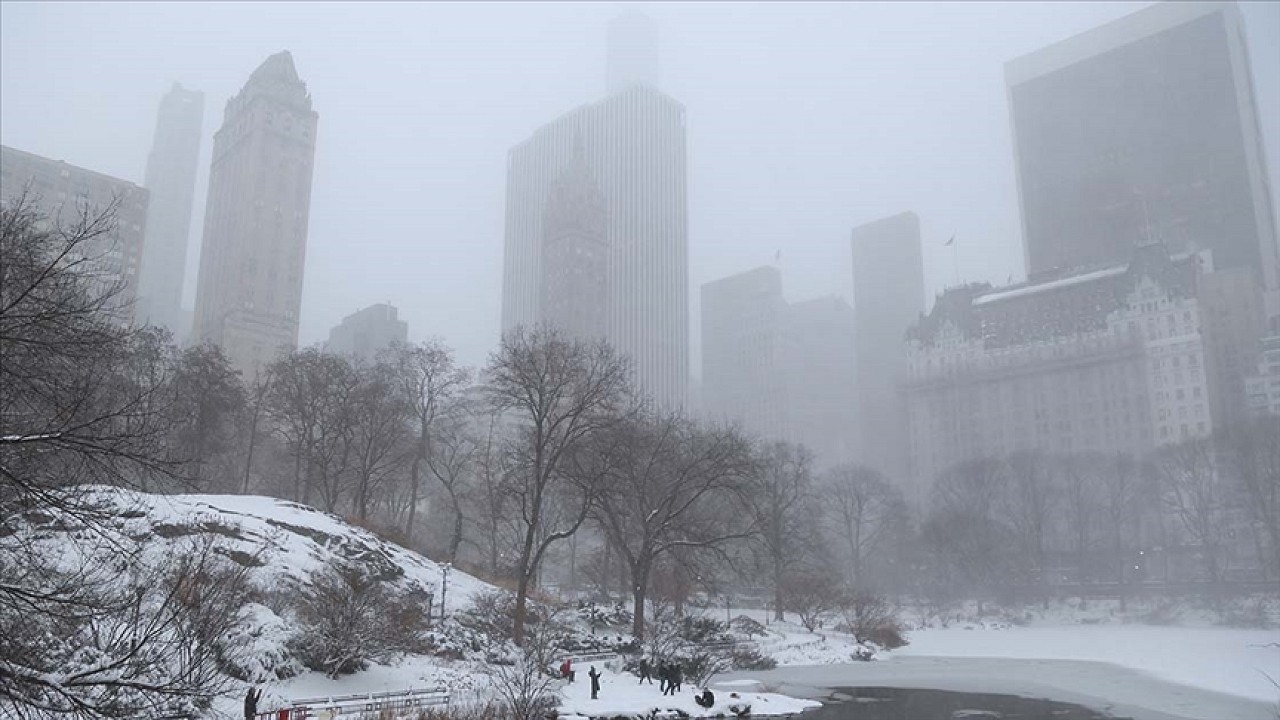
<point x="454" y="462"/>
<point x="1193" y="490"/>
<point x="561" y="394"/>
<point x="965" y="529"/>
<point x="1122" y="489"/>
<point x="667" y="484"/>
<point x="1032" y="505"/>
<point x="785" y="514"/>
<point x="430" y="379"/>
<point x="207" y="398"/>
<point x="1251" y="452"/>
<point x="380" y="432"/>
<point x="864" y="508"/>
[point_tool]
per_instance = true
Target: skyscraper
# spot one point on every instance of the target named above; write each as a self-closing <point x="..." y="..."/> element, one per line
<point x="574" y="293"/>
<point x="63" y="191"/>
<point x="255" y="231"/>
<point x="781" y="371"/>
<point x="888" y="298"/>
<point x="171" y="180"/>
<point x="632" y="145"/>
<point x="743" y="352"/>
<point x="1143" y="130"/>
<point x="365" y="332"/>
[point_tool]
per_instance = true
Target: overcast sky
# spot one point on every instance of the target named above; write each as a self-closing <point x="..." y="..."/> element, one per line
<point x="804" y="120"/>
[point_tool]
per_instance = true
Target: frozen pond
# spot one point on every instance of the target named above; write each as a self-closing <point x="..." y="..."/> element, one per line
<point x="880" y="703"/>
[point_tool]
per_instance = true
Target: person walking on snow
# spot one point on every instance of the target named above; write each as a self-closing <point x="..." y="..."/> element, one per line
<point x="677" y="678"/>
<point x="664" y="677"/>
<point x="251" y="703"/>
<point x="595" y="682"/>
<point x="644" y="671"/>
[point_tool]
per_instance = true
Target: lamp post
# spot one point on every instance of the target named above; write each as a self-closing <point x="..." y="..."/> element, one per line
<point x="444" y="588"/>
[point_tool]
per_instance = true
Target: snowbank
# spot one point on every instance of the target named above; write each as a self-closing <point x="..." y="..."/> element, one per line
<point x="621" y="694"/>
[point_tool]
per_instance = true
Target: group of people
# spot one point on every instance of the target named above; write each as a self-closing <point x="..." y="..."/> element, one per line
<point x="670" y="676"/>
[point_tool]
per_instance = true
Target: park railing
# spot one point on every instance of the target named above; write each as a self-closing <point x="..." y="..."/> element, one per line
<point x="340" y="706"/>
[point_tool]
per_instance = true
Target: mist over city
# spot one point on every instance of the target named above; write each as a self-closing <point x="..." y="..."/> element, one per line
<point x="494" y="360"/>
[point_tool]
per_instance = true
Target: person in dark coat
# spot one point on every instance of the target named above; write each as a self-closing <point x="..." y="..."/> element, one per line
<point x="662" y="677"/>
<point x="677" y="678"/>
<point x="595" y="682"/>
<point x="644" y="671"/>
<point x="706" y="699"/>
<point x="251" y="703"/>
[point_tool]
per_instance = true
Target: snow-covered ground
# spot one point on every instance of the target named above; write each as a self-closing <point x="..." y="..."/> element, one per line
<point x="621" y="694"/>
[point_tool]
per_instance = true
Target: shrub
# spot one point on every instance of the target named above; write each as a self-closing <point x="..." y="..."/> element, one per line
<point x="871" y="619"/>
<point x="748" y="658"/>
<point x="744" y="625"/>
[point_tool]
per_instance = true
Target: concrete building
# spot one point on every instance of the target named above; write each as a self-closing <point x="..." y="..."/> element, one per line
<point x="574" y="292"/>
<point x="744" y="353"/>
<point x="632" y="145"/>
<point x="249" y="294"/>
<point x="778" y="370"/>
<point x="888" y="298"/>
<point x="364" y="333"/>
<point x="171" y="180"/>
<point x="1114" y="360"/>
<point x="1142" y="130"/>
<point x="1263" y="386"/>
<point x="66" y="193"/>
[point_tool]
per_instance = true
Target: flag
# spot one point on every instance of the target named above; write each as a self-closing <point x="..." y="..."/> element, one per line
<point x="777" y="256"/>
<point x="950" y="242"/>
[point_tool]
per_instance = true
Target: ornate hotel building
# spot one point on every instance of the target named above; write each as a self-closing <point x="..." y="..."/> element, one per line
<point x="255" y="229"/>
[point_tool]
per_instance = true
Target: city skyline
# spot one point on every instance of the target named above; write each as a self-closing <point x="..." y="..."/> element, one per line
<point x="806" y="225"/>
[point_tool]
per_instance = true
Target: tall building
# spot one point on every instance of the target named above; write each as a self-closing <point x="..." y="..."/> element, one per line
<point x="64" y="192"/>
<point x="888" y="298"/>
<point x="779" y="370"/>
<point x="1145" y="129"/>
<point x="1263" y="385"/>
<point x="823" y="397"/>
<point x="632" y="144"/>
<point x="744" y="351"/>
<point x="171" y="180"/>
<point x="633" y="52"/>
<point x="1115" y="360"/>
<point x="255" y="231"/>
<point x="573" y="293"/>
<point x="364" y="333"/>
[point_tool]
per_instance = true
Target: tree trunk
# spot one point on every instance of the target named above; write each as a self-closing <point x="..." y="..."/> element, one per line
<point x="455" y="541"/>
<point x="639" y="589"/>
<point x="414" y="473"/>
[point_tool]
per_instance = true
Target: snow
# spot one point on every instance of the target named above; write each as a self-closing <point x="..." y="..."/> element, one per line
<point x="621" y="694"/>
<point x="1217" y="659"/>
<point x="1051" y="285"/>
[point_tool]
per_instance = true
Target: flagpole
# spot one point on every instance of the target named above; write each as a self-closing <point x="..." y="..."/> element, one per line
<point x="955" y="258"/>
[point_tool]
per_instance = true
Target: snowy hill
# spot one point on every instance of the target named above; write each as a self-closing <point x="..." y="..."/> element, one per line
<point x="284" y="543"/>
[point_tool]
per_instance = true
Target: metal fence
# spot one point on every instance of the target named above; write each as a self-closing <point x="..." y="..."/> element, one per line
<point x="339" y="706"/>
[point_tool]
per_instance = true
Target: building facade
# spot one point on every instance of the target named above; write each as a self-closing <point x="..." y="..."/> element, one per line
<point x="574" y="291"/>
<point x="364" y="333"/>
<point x="632" y="145"/>
<point x="888" y="298"/>
<point x="779" y="370"/>
<point x="171" y="180"/>
<point x="249" y="294"/>
<point x="1263" y="385"/>
<point x="67" y="193"/>
<point x="1143" y="130"/>
<point x="744" y="353"/>
<point x="1115" y="361"/>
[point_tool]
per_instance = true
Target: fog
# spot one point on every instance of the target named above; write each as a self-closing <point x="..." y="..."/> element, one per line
<point x="803" y="121"/>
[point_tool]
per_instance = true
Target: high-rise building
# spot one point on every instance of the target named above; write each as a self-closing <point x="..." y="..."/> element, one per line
<point x="1143" y="130"/>
<point x="888" y="298"/>
<point x="744" y="351"/>
<point x="364" y="333"/>
<point x="779" y="370"/>
<point x="171" y="180"/>
<point x="632" y="145"/>
<point x="67" y="194"/>
<point x="574" y="291"/>
<point x="822" y="391"/>
<point x="633" y="52"/>
<point x="249" y="294"/>
<point x="1115" y="360"/>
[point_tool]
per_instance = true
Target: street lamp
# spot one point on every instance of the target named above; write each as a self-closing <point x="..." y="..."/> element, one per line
<point x="444" y="588"/>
